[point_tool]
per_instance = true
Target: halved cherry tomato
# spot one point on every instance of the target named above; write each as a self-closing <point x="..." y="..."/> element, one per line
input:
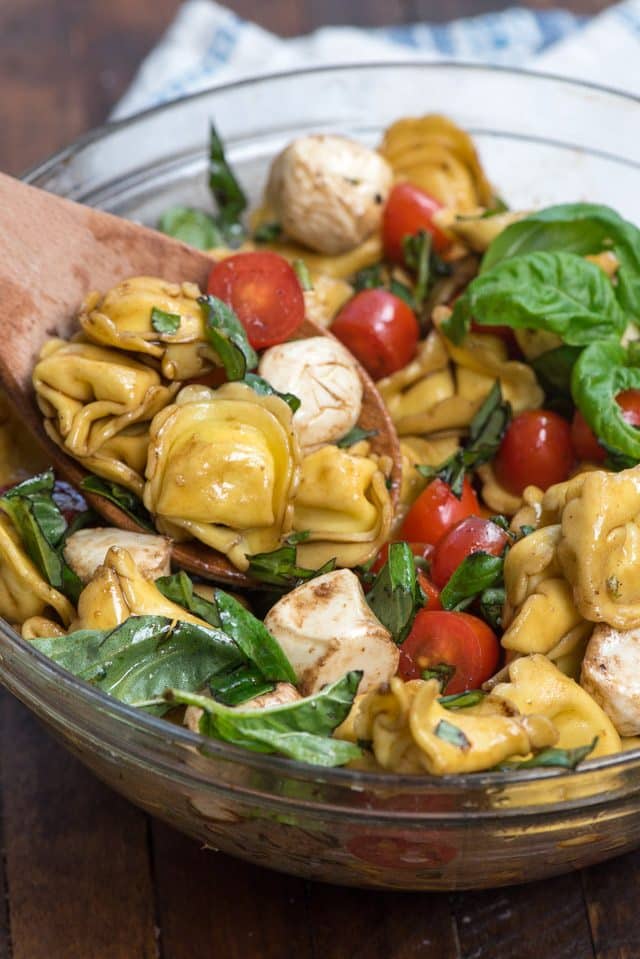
<point x="380" y="330"/>
<point x="436" y="510"/>
<point x="409" y="210"/>
<point x="471" y="535"/>
<point x="419" y="550"/>
<point x="453" y="639"/>
<point x="535" y="450"/>
<point x="584" y="440"/>
<point x="430" y="590"/>
<point x="265" y="293"/>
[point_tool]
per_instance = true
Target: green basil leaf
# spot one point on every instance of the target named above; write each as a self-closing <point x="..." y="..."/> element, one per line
<point x="396" y="597"/>
<point x="581" y="228"/>
<point x="280" y="567"/>
<point x="302" y="272"/>
<point x="443" y="672"/>
<point x="179" y="589"/>
<point x="452" y="734"/>
<point x="227" y="337"/>
<point x="254" y="639"/>
<point x="239" y="685"/>
<point x="137" y="661"/>
<point x="127" y="501"/>
<point x="462" y="700"/>
<point x="299" y="730"/>
<point x="492" y="602"/>
<point x="553" y="370"/>
<point x="229" y="195"/>
<point x="600" y="373"/>
<point x="476" y="573"/>
<point x="369" y="278"/>
<point x="417" y="255"/>
<point x="163" y="322"/>
<point x="267" y="232"/>
<point x="261" y="386"/>
<point x="563" y="758"/>
<point x="191" y="226"/>
<point x="403" y="292"/>
<point x="356" y="435"/>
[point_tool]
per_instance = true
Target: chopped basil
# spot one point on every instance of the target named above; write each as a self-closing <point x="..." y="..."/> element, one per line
<point x="228" y="193"/>
<point x="164" y="322"/>
<point x="302" y="272"/>
<point x="179" y="589"/>
<point x="475" y="574"/>
<point x="491" y="605"/>
<point x="403" y="292"/>
<point x="369" y="278"/>
<point x="123" y="498"/>
<point x="462" y="700"/>
<point x="191" y="226"/>
<point x="417" y="253"/>
<point x="356" y="435"/>
<point x="452" y="734"/>
<point x="443" y="672"/>
<point x="280" y="567"/>
<point x="396" y="597"/>
<point x="227" y="337"/>
<point x="238" y="685"/>
<point x="563" y="758"/>
<point x="267" y="232"/>
<point x="259" y="385"/>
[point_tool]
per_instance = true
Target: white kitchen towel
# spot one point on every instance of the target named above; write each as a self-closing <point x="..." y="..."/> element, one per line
<point x="208" y="44"/>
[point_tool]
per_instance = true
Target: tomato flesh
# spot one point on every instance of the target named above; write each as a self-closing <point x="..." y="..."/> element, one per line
<point x="584" y="440"/>
<point x="452" y="639"/>
<point x="436" y="510"/>
<point x="471" y="535"/>
<point x="380" y="329"/>
<point x="536" y="450"/>
<point x="430" y="590"/>
<point x="409" y="210"/>
<point x="264" y="292"/>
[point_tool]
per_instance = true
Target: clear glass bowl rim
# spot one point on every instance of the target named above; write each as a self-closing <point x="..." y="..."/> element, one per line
<point x="181" y="736"/>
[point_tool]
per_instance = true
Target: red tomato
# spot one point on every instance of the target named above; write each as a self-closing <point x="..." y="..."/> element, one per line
<point x="380" y="329"/>
<point x="431" y="592"/>
<point x="471" y="535"/>
<point x="409" y="210"/>
<point x="265" y="293"/>
<point x="453" y="639"/>
<point x="419" y="550"/>
<point x="584" y="440"/>
<point x="436" y="510"/>
<point x="536" y="450"/>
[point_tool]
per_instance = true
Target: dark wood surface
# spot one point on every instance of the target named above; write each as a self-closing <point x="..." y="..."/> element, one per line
<point x="85" y="875"/>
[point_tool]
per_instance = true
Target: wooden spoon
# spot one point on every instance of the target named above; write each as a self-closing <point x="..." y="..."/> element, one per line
<point x="52" y="253"/>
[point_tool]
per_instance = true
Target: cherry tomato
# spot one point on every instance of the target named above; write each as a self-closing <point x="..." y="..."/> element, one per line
<point x="453" y="639"/>
<point x="430" y="590"/>
<point x="471" y="535"/>
<point x="265" y="293"/>
<point x="535" y="450"/>
<point x="380" y="329"/>
<point x="419" y="550"/>
<point x="584" y="440"/>
<point x="409" y="210"/>
<point x="436" y="510"/>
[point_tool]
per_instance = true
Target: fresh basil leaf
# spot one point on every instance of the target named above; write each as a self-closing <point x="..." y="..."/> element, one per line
<point x="301" y="270"/>
<point x="396" y="597"/>
<point x="369" y="278"/>
<point x="280" y="567"/>
<point x="452" y="734"/>
<point x="417" y="254"/>
<point x="137" y="661"/>
<point x="356" y="435"/>
<point x="42" y="529"/>
<point x="179" y="589"/>
<point x="478" y="572"/>
<point x="261" y="386"/>
<point x="553" y="370"/>
<point x="403" y="292"/>
<point x="600" y="373"/>
<point x="239" y="685"/>
<point x="563" y="758"/>
<point x="254" y="639"/>
<point x="299" y="730"/>
<point x="191" y="226"/>
<point x="163" y="322"/>
<point x="127" y="501"/>
<point x="443" y="672"/>
<point x="561" y="293"/>
<point x="227" y="337"/>
<point x="462" y="700"/>
<point x="492" y="602"/>
<point x="486" y="430"/>
<point x="580" y="228"/>
<point x="229" y="195"/>
<point x="267" y="232"/>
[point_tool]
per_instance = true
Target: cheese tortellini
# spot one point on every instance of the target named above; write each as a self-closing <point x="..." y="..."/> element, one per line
<point x="223" y="468"/>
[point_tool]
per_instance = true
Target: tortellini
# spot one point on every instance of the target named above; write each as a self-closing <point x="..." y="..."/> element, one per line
<point x="19" y="455"/>
<point x="417" y="451"/>
<point x="223" y="467"/>
<point x="92" y="399"/>
<point x="122" y="318"/>
<point x="475" y="228"/>
<point x="537" y="686"/>
<point x="411" y="732"/>
<point x="436" y="155"/>
<point x="343" y="504"/>
<point x="23" y="591"/>
<point x="599" y="549"/>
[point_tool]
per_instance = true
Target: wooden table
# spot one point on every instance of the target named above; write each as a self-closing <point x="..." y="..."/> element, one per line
<point x="84" y="874"/>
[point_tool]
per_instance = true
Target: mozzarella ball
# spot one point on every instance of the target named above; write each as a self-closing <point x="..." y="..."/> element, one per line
<point x="328" y="192"/>
<point x="324" y="376"/>
<point x="86" y="550"/>
<point x="326" y="629"/>
<point x="611" y="674"/>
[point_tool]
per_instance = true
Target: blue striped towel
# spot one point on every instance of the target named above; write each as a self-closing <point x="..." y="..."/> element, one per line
<point x="208" y="44"/>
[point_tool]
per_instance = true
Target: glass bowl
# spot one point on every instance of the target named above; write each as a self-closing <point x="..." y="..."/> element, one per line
<point x="542" y="140"/>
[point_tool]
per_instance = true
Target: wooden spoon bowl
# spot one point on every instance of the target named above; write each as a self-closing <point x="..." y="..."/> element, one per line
<point x="53" y="252"/>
